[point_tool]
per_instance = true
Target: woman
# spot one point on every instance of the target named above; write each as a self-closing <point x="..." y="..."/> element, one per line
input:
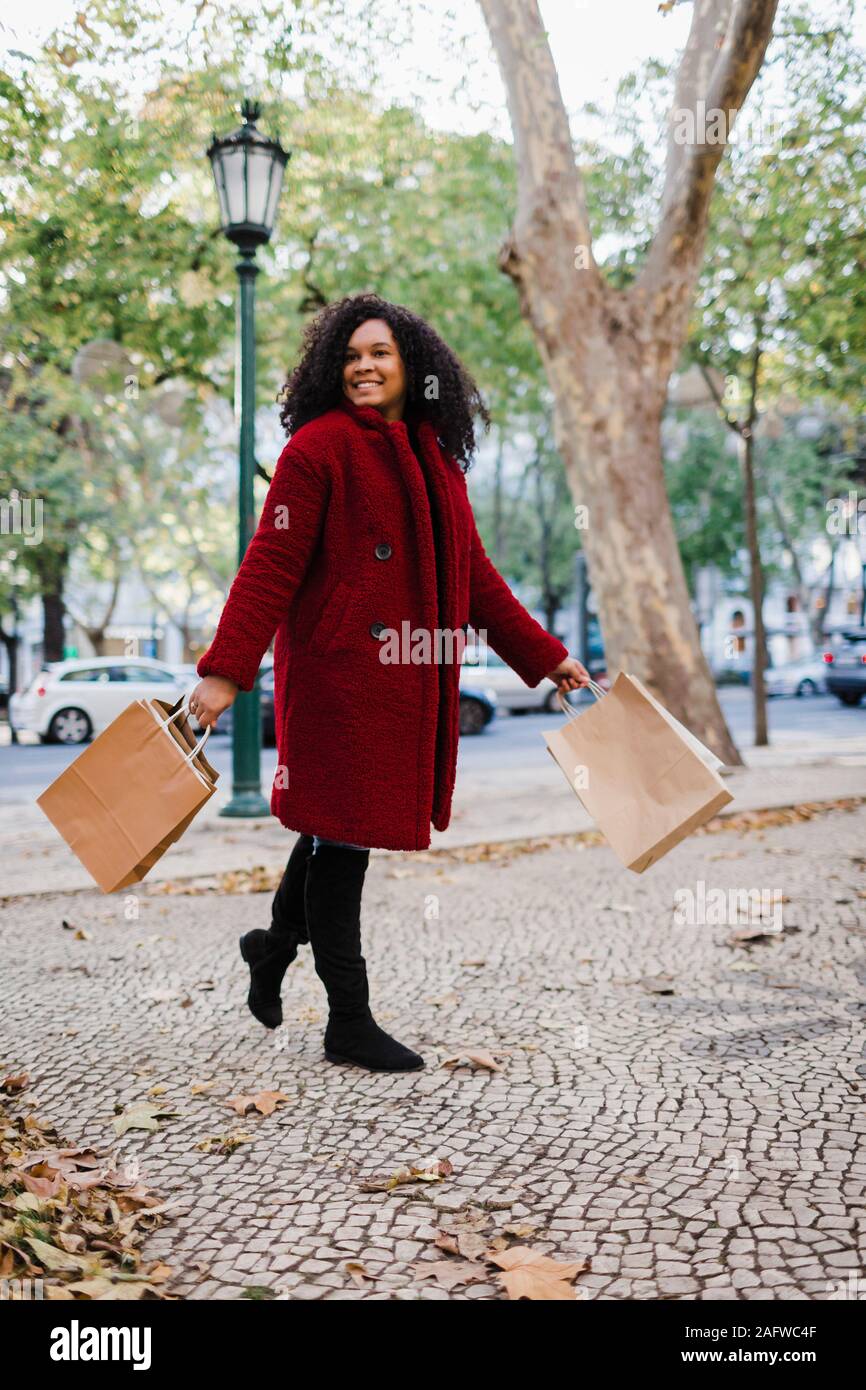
<point x="366" y="567"/>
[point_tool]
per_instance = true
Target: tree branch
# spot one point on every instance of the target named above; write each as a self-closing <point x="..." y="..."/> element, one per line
<point x="549" y="185"/>
<point x="723" y="55"/>
<point x="729" y="420"/>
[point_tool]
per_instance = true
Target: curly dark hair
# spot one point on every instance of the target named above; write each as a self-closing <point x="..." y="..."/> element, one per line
<point x="316" y="383"/>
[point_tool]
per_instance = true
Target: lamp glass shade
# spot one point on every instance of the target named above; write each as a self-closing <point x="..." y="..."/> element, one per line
<point x="248" y="171"/>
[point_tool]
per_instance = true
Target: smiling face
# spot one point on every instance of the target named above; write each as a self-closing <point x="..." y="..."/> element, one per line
<point x="373" y="370"/>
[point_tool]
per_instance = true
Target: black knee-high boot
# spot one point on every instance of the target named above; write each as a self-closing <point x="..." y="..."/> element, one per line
<point x="270" y="953"/>
<point x="288" y="913"/>
<point x="335" y="879"/>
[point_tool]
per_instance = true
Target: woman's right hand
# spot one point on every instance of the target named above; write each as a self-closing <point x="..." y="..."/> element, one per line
<point x="212" y="695"/>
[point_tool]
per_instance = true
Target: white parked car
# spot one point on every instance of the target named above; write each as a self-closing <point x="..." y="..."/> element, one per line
<point x="482" y="668"/>
<point x="804" y="677"/>
<point x="69" y="701"/>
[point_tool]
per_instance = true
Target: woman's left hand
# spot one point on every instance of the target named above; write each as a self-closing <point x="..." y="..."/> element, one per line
<point x="570" y="674"/>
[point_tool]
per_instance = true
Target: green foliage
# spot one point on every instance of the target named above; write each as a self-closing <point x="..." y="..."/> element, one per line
<point x="108" y="231"/>
<point x="786" y="264"/>
<point x="705" y="490"/>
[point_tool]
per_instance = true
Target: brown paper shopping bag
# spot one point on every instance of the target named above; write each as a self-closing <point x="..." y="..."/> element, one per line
<point x="131" y="793"/>
<point x="646" y="781"/>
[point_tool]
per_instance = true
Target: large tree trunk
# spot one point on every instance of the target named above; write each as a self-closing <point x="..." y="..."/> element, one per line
<point x="54" y="635"/>
<point x="609" y="353"/>
<point x="612" y="454"/>
<point x="53" y="610"/>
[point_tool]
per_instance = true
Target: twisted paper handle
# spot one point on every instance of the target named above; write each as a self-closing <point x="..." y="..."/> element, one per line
<point x="597" y="691"/>
<point x="183" y="708"/>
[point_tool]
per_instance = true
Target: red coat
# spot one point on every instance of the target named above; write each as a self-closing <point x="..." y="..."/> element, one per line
<point x="367" y="751"/>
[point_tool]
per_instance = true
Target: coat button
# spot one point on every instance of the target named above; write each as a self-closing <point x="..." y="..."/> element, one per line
<point x="383" y="551"/>
<point x="377" y="629"/>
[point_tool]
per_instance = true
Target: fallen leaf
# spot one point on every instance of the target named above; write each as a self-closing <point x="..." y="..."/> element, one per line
<point x="53" y="1259"/>
<point x="449" y="1274"/>
<point x="658" y="984"/>
<point x="41" y="1187"/>
<point x="105" y="1288"/>
<point x="741" y="935"/>
<point x="484" y="1060"/>
<point x="446" y="1241"/>
<point x="469" y="1219"/>
<point x="529" y="1274"/>
<point x="224" y="1143"/>
<point x="265" y="1102"/>
<point x="434" y="1173"/>
<point x="142" y="1115"/>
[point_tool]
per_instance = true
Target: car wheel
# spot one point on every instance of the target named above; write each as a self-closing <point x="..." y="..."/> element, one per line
<point x="70" y="726"/>
<point x="552" y="705"/>
<point x="473" y="717"/>
<point x="806" y="687"/>
<point x="850" y="697"/>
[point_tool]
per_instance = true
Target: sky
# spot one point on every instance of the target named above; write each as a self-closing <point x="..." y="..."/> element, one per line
<point x="595" y="42"/>
<point x="447" y="66"/>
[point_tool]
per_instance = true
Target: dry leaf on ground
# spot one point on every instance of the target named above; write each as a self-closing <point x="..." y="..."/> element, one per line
<point x="658" y="984"/>
<point x="484" y="1060"/>
<point x="143" y="1114"/>
<point x="265" y="1102"/>
<point x="434" y="1173"/>
<point x="741" y="935"/>
<point x="449" y="1274"/>
<point x="223" y="1143"/>
<point x="528" y="1274"/>
<point x="72" y="1216"/>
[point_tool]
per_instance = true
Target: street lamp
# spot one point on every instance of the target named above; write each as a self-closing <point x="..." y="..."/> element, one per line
<point x="248" y="171"/>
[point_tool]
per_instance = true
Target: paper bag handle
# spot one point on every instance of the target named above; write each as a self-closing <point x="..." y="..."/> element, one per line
<point x="596" y="689"/>
<point x="183" y="708"/>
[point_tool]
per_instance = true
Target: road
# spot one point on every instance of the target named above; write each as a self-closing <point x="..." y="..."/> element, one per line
<point x="510" y="741"/>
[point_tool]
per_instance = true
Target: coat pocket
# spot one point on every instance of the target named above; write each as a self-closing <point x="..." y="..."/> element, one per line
<point x="331" y="619"/>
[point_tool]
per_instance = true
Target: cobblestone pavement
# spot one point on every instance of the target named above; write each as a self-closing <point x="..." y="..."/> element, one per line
<point x="705" y="1143"/>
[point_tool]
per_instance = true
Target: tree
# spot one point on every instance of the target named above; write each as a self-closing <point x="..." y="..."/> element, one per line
<point x="781" y="305"/>
<point x="532" y="519"/>
<point x="108" y="233"/>
<point x="608" y="351"/>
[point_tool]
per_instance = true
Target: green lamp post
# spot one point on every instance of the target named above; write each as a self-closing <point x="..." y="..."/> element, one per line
<point x="248" y="171"/>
